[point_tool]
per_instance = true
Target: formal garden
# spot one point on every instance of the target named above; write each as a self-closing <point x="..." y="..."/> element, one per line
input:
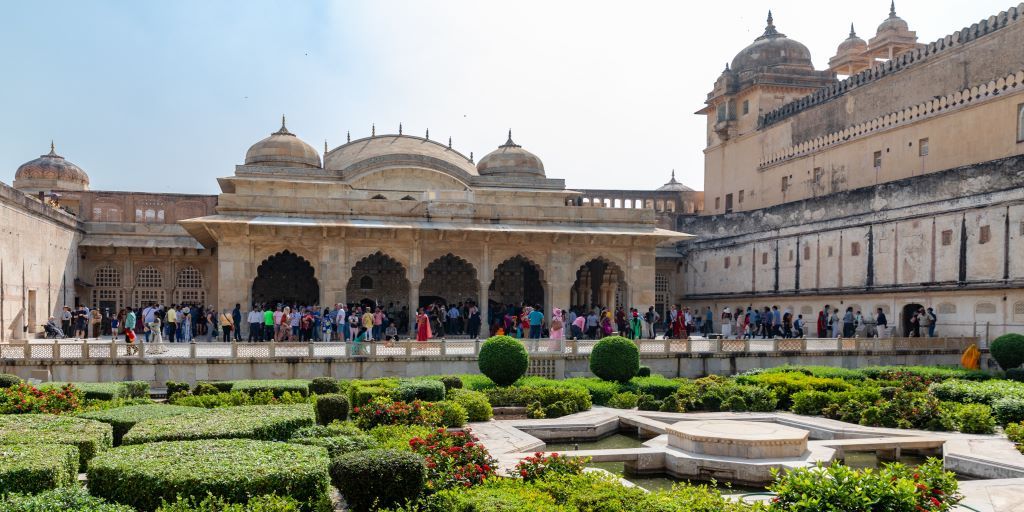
<point x="409" y="444"/>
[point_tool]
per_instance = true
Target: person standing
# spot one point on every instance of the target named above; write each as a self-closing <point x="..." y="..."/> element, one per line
<point x="709" y="322"/>
<point x="823" y="322"/>
<point x="932" y="319"/>
<point x="848" y="323"/>
<point x="726" y="322"/>
<point x="255" y="319"/>
<point x="798" y="326"/>
<point x="236" y="321"/>
<point x="637" y="325"/>
<point x="226" y="324"/>
<point x="557" y="325"/>
<point x="536" y="320"/>
<point x="129" y="325"/>
<point x="378" y="323"/>
<point x="65" y="320"/>
<point x="422" y="325"/>
<point x="367" y="320"/>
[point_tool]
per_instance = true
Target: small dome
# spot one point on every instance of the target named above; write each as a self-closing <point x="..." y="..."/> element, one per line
<point x="674" y="186"/>
<point x="852" y="44"/>
<point x="772" y="49"/>
<point x="893" y="22"/>
<point x="282" y="149"/>
<point x="510" y="159"/>
<point x="50" y="171"/>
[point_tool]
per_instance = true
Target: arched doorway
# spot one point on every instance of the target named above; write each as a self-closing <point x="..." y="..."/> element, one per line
<point x="516" y="281"/>
<point x="286" y="278"/>
<point x="908" y="312"/>
<point x="600" y="282"/>
<point x="378" y="279"/>
<point x="449" y="280"/>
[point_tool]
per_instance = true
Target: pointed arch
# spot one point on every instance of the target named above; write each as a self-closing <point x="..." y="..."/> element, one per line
<point x="385" y="277"/>
<point x="286" y="278"/>
<point x="600" y="281"/>
<point x="516" y="281"/>
<point x="449" y="279"/>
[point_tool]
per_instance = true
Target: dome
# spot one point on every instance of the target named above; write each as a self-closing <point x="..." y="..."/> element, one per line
<point x="510" y="159"/>
<point x="392" y="151"/>
<point x="282" y="149"/>
<point x="852" y="44"/>
<point x="51" y="171"/>
<point x="772" y="49"/>
<point x="674" y="186"/>
<point x="893" y="22"/>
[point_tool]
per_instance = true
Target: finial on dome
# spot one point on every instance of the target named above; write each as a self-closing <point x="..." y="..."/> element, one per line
<point x="428" y="133"/>
<point x="508" y="143"/>
<point x="771" y="22"/>
<point x="853" y="33"/>
<point x="727" y="66"/>
<point x="348" y="136"/>
<point x="470" y="157"/>
<point x="325" y="147"/>
<point x="769" y="30"/>
<point x="282" y="122"/>
<point x="892" y="9"/>
<point x="673" y="175"/>
<point x="53" y="149"/>
<point x="373" y="130"/>
<point x="449" y="142"/>
<point x="284" y="129"/>
<point x="399" y="128"/>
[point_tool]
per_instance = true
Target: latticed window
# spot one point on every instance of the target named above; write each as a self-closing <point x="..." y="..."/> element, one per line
<point x="108" y="276"/>
<point x="189" y="277"/>
<point x="985" y="308"/>
<point x="147" y="297"/>
<point x="1018" y="308"/>
<point x="660" y="283"/>
<point x="149" y="277"/>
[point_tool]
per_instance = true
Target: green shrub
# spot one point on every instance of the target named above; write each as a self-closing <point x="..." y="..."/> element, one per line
<point x="385" y="411"/>
<point x="786" y="384"/>
<point x="277" y="387"/>
<point x="928" y="373"/>
<point x="718" y="394"/>
<point x="397" y="437"/>
<point x="615" y="359"/>
<point x="222" y="386"/>
<point x="967" y="418"/>
<point x="419" y="389"/>
<point x="644" y="371"/>
<point x="558" y="409"/>
<point x="331" y="408"/>
<point x="503" y="359"/>
<point x="1015" y="374"/>
<point x="451" y="382"/>
<point x="338" y="438"/>
<point x="32" y="468"/>
<point x="811" y="403"/>
<point x="92" y="390"/>
<point x="72" y="498"/>
<point x="656" y="385"/>
<point x="626" y="400"/>
<point x="375" y="479"/>
<point x="577" y="399"/>
<point x="971" y="392"/>
<point x="535" y="411"/>
<point x="324" y="386"/>
<point x="135" y="389"/>
<point x="452" y="413"/>
<point x="1008" y="350"/>
<point x="176" y="387"/>
<point x="1015" y="433"/>
<point x="362" y="392"/>
<point x="206" y="388"/>
<point x="7" y="380"/>
<point x="476" y="382"/>
<point x="266" y="422"/>
<point x="826" y="372"/>
<point x="145" y="475"/>
<point x="474" y="402"/>
<point x="1008" y="409"/>
<point x="648" y="403"/>
<point x="600" y="391"/>
<point x="122" y="419"/>
<point x="265" y="503"/>
<point x="90" y="437"/>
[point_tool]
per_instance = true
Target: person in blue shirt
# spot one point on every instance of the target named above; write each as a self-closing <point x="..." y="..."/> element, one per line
<point x="536" y="321"/>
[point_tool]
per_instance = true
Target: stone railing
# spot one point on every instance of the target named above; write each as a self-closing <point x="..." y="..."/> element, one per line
<point x="105" y="350"/>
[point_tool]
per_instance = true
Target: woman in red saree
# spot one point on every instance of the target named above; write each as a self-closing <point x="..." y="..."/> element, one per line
<point x="679" y="326"/>
<point x="422" y="325"/>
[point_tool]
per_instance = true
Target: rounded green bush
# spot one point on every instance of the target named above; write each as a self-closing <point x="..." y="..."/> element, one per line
<point x="324" y="386"/>
<point x="476" y="404"/>
<point x="453" y="414"/>
<point x="419" y="389"/>
<point x="205" y="388"/>
<point x="7" y="380"/>
<point x="451" y="382"/>
<point x="32" y="468"/>
<point x="1008" y="409"/>
<point x="176" y="387"/>
<point x="503" y="359"/>
<point x="374" y="479"/>
<point x="267" y="422"/>
<point x="615" y="359"/>
<point x="644" y="371"/>
<point x="330" y="408"/>
<point x="234" y="469"/>
<point x="1015" y="374"/>
<point x="1008" y="350"/>
<point x="89" y="436"/>
<point x="124" y="418"/>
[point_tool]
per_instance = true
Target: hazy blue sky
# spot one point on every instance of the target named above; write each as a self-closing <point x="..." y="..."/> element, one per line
<point x="167" y="96"/>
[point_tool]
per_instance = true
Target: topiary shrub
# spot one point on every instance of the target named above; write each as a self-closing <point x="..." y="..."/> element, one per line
<point x="71" y="498"/>
<point x="177" y="387"/>
<point x="1015" y="374"/>
<point x="644" y="371"/>
<point x="648" y="403"/>
<point x="205" y="388"/>
<point x="503" y="359"/>
<point x="146" y="475"/>
<point x="452" y="414"/>
<point x="277" y="387"/>
<point x="330" y="408"/>
<point x="419" y="389"/>
<point x="451" y="382"/>
<point x="35" y="468"/>
<point x="90" y="437"/>
<point x="324" y="386"/>
<point x="627" y="400"/>
<point x="376" y="479"/>
<point x="265" y="422"/>
<point x="338" y="438"/>
<point x="135" y="389"/>
<point x="476" y="404"/>
<point x="122" y="419"/>
<point x="266" y="503"/>
<point x="1008" y="350"/>
<point x="615" y="359"/>
<point x="7" y="380"/>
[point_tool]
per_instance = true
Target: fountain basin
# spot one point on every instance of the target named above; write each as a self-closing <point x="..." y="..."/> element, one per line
<point x="738" y="439"/>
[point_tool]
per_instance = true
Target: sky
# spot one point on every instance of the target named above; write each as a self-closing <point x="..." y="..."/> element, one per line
<point x="167" y="96"/>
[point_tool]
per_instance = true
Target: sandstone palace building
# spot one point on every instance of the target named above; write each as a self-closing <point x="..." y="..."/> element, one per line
<point x="890" y="180"/>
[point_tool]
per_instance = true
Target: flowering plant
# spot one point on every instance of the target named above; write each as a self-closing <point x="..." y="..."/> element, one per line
<point x="539" y="465"/>
<point x="384" y="411"/>
<point x="24" y="398"/>
<point x="453" y="459"/>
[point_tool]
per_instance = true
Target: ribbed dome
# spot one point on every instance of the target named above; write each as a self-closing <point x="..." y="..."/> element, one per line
<point x="893" y="22"/>
<point x="852" y="44"/>
<point x="510" y="159"/>
<point x="772" y="49"/>
<point x="51" y="171"/>
<point x="674" y="186"/>
<point x="282" y="149"/>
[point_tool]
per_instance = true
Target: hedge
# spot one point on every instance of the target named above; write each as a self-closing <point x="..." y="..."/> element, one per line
<point x="376" y="479"/>
<point x="968" y="392"/>
<point x="658" y="386"/>
<point x="72" y="498"/>
<point x="453" y="414"/>
<point x="234" y="469"/>
<point x="266" y="422"/>
<point x="89" y="436"/>
<point x="7" y="380"/>
<point x="265" y="503"/>
<point x="476" y="404"/>
<point x="330" y="408"/>
<point x="503" y="359"/>
<point x="278" y="387"/>
<point x="105" y="390"/>
<point x="122" y="419"/>
<point x="575" y="399"/>
<point x="361" y="392"/>
<point x="32" y="468"/>
<point x="324" y="386"/>
<point x="419" y="389"/>
<point x="222" y="386"/>
<point x="615" y="359"/>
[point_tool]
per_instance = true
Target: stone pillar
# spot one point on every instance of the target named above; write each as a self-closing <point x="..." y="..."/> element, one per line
<point x="640" y="279"/>
<point x="414" y="302"/>
<point x="484" y="305"/>
<point x="234" y="281"/>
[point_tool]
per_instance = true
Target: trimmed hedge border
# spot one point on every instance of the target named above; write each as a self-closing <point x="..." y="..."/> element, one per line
<point x="124" y="418"/>
<point x="89" y="436"/>
<point x="265" y="422"/>
<point x="105" y="390"/>
<point x="71" y="498"/>
<point x="278" y="387"/>
<point x="235" y="469"/>
<point x="32" y="468"/>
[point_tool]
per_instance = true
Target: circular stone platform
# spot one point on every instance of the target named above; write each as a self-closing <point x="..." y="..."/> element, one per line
<point x="740" y="439"/>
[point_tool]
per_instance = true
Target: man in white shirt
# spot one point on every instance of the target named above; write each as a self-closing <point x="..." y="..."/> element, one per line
<point x="255" y="319"/>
